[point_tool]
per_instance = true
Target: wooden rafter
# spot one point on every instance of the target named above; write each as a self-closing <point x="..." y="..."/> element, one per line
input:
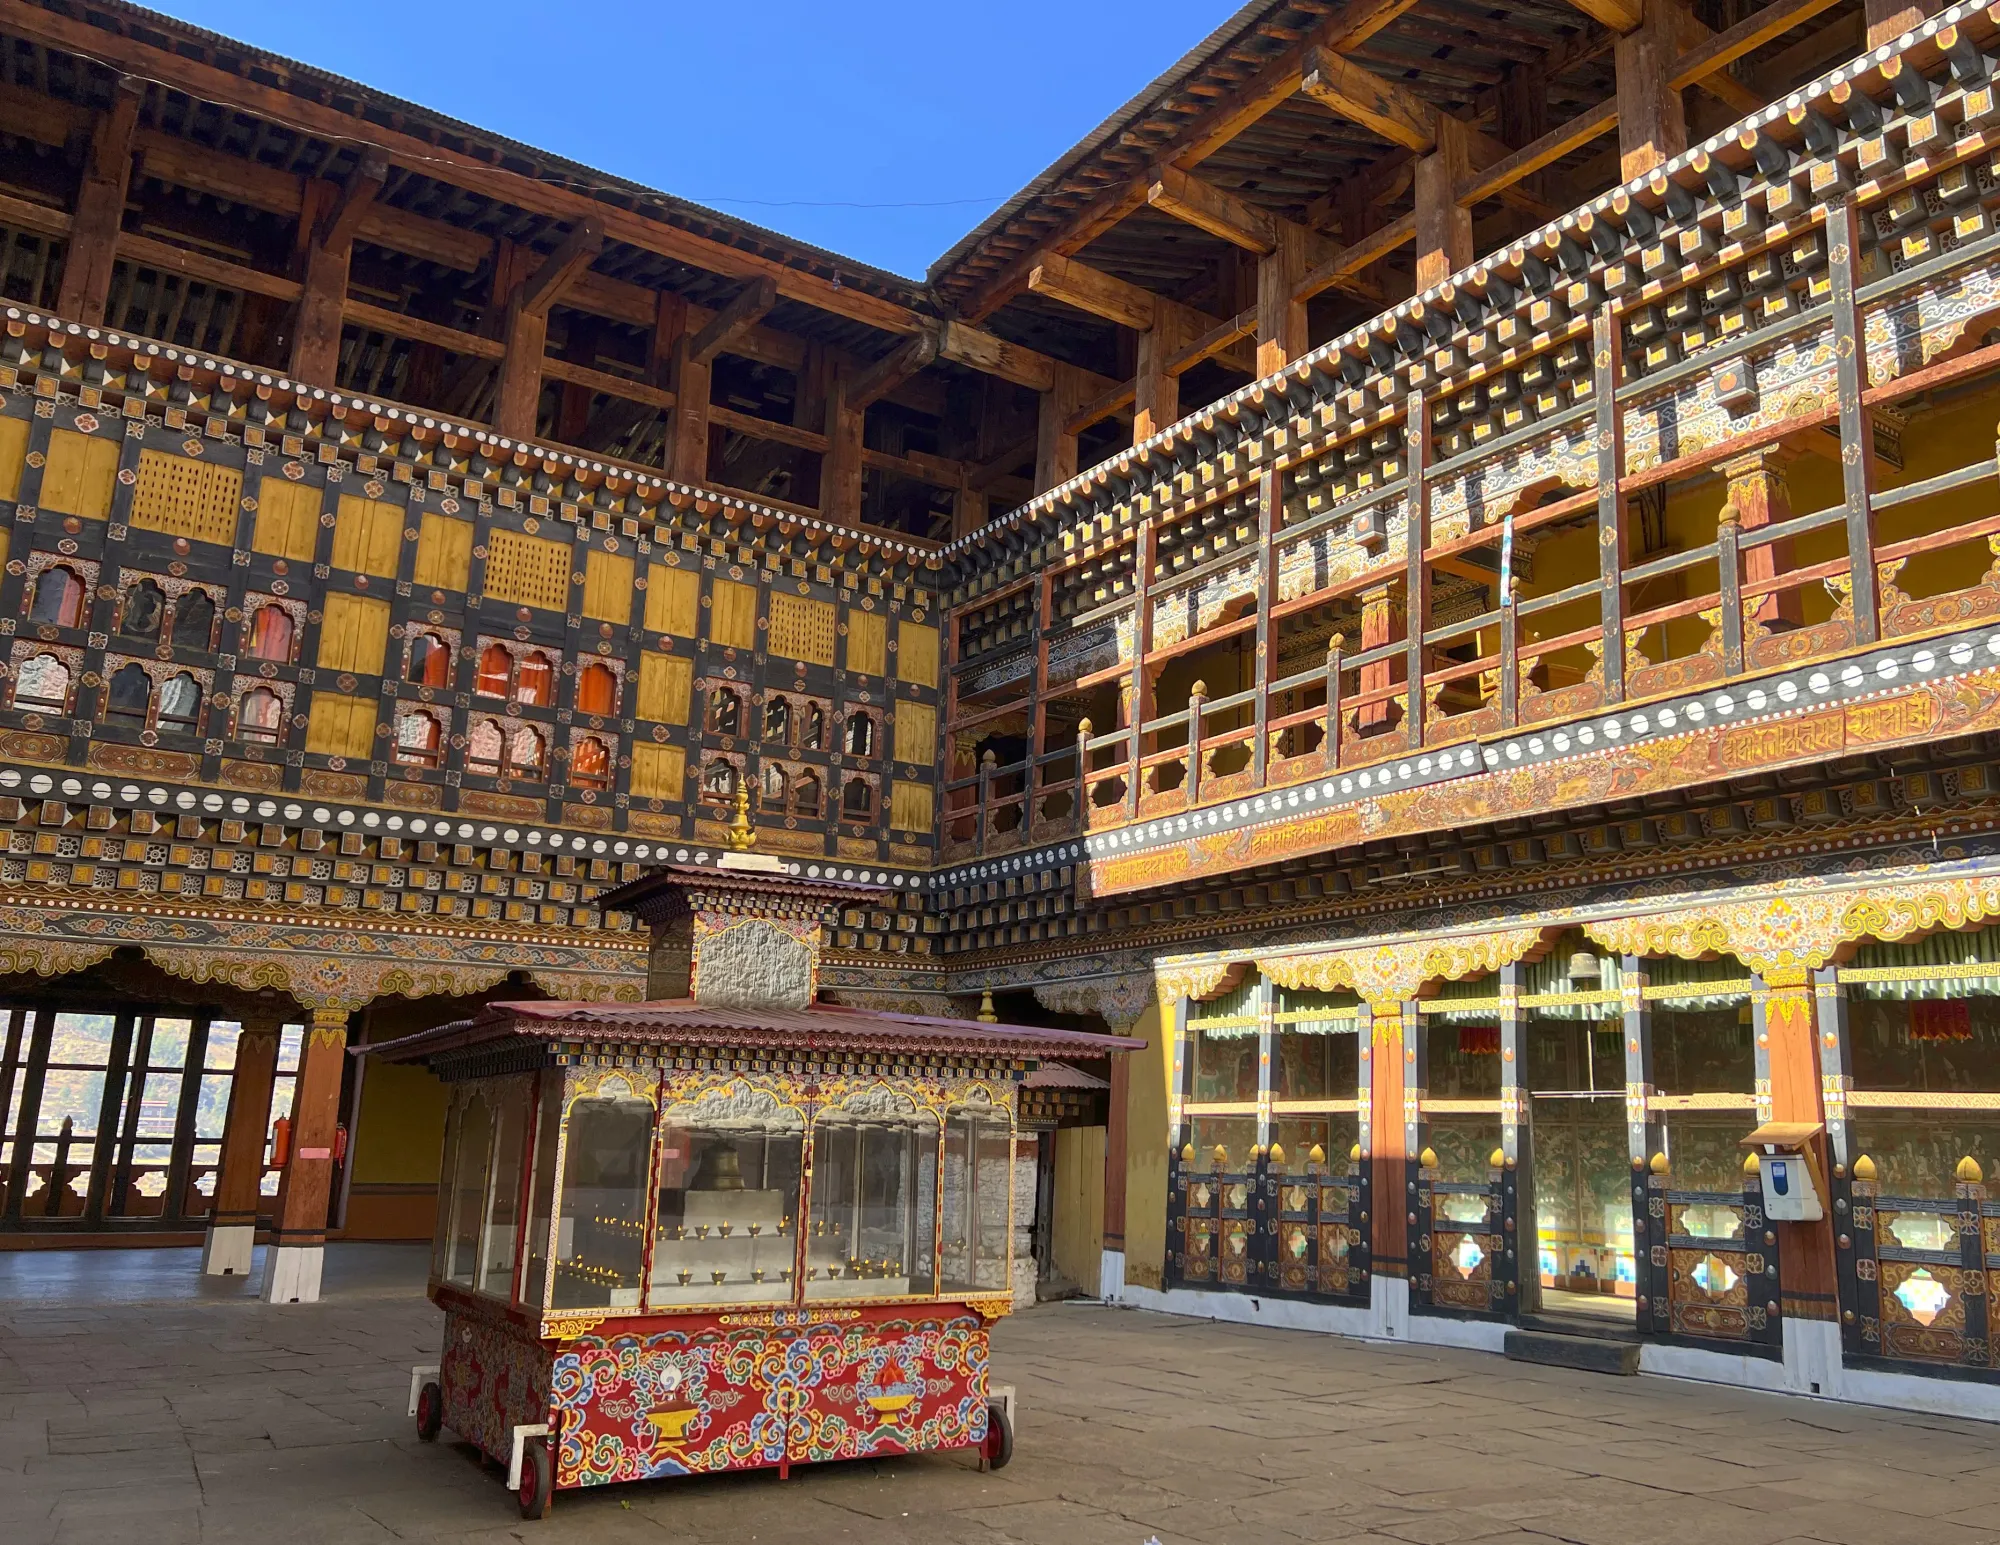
<point x="733" y="320"/>
<point x="889" y="372"/>
<point x="1382" y="107"/>
<point x="1092" y="290"/>
<point x="561" y="268"/>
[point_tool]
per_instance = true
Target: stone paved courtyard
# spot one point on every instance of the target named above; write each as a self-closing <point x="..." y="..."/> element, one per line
<point x="136" y="1406"/>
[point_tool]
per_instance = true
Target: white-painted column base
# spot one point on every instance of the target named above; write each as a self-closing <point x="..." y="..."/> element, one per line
<point x="228" y="1250"/>
<point x="1111" y="1276"/>
<point x="1812" y="1358"/>
<point x="291" y="1274"/>
<point x="1389" y="1304"/>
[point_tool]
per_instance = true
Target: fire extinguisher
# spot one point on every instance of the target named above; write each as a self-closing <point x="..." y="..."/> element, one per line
<point x="340" y="1143"/>
<point x="281" y="1142"/>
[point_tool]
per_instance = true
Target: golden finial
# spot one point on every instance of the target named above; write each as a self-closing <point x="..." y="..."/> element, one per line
<point x="1277" y="1153"/>
<point x="1187" y="1153"/>
<point x="1428" y="1159"/>
<point x="1337" y="641"/>
<point x="1968" y="1171"/>
<point x="1317" y="1155"/>
<point x="1221" y="1155"/>
<point x="1660" y="1162"/>
<point x="1750" y="1164"/>
<point x="1199" y="689"/>
<point x="1864" y="1168"/>
<point x="988" y="1014"/>
<point x="1497" y="1159"/>
<point x="742" y="835"/>
<point x="1083" y="726"/>
<point x="1354" y="1154"/>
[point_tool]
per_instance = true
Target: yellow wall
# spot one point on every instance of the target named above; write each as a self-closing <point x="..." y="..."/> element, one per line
<point x="1146" y="1155"/>
<point x="1076" y="1231"/>
<point x="400" y="1136"/>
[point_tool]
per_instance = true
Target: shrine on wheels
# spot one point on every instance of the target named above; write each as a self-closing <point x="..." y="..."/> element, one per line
<point x="1419" y="615"/>
<point x="723" y="1228"/>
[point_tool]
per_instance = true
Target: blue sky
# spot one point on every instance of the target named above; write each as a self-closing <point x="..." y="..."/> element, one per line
<point x="944" y="108"/>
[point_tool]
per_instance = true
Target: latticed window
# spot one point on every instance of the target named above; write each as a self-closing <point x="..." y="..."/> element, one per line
<point x="590" y="764"/>
<point x="42" y="682"/>
<point x="417" y="739"/>
<point x="58" y="597"/>
<point x="260" y="715"/>
<point x="272" y="634"/>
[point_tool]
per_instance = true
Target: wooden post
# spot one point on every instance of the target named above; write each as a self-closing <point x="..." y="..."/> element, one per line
<point x="1645" y="1136"/>
<point x="1788" y="1056"/>
<point x="1610" y="508"/>
<point x="1444" y="227"/>
<point x="1281" y="315"/>
<point x="1156" y="391"/>
<point x="1196" y="695"/>
<point x="986" y="761"/>
<point x="1381" y="616"/>
<point x="298" y="1236"/>
<point x="1416" y="585"/>
<point x="1330" y="746"/>
<point x="327" y="222"/>
<point x="239" y="1171"/>
<point x="100" y="208"/>
<point x="1055" y="446"/>
<point x="1857" y="430"/>
<point x="1082" y="775"/>
<point x="687" y="439"/>
<point x="1270" y="516"/>
<point x="1652" y="123"/>
<point x="1383" y="1148"/>
<point x="1116" y="1127"/>
<point x="1136" y="696"/>
<point x="526" y="331"/>
<point x="840" y="468"/>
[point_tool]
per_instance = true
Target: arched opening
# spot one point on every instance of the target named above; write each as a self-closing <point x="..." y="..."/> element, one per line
<point x="812" y="733"/>
<point x="590" y="763"/>
<point x="805" y="795"/>
<point x="429" y="664"/>
<point x="131" y="693"/>
<point x="194" y="621"/>
<point x="857" y="799"/>
<point x="143" y="610"/>
<point x="260" y="715"/>
<point x="778" y="720"/>
<point x="180" y="702"/>
<point x="725" y="712"/>
<point x="774" y="786"/>
<point x="719" y="783"/>
<point x="597" y="690"/>
<point x="42" y="682"/>
<point x="58" y="598"/>
<point x="483" y="748"/>
<point x="417" y="740"/>
<point x="535" y="686"/>
<point x="527" y="753"/>
<point x="860" y="735"/>
<point x="496" y="672"/>
<point x="271" y="634"/>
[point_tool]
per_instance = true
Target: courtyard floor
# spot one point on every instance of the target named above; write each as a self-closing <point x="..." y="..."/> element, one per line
<point x="137" y="1406"/>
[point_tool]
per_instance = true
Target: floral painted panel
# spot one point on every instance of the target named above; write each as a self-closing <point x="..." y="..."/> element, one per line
<point x="495" y="1378"/>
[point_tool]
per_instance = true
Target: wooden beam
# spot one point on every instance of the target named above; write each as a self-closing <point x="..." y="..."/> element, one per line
<point x="1216" y="343"/>
<point x="398" y="325"/>
<point x="604" y="381"/>
<point x="100" y="207"/>
<point x="1360" y="96"/>
<point x="32" y="216"/>
<point x="1546" y="151"/>
<point x="1093" y="290"/>
<point x="1652" y="123"/>
<point x="1724" y="48"/>
<point x="1618" y="15"/>
<point x="556" y="272"/>
<point x="889" y="372"/>
<point x="1206" y="207"/>
<point x="1356" y="256"/>
<point x="738" y="317"/>
<point x="766" y="429"/>
<point x="199" y="265"/>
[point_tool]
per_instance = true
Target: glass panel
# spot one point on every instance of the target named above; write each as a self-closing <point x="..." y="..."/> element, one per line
<point x="601" y="1236"/>
<point x="1583" y="1200"/>
<point x="1942" y="1045"/>
<point x="1704" y="1151"/>
<point x="503" y="1194"/>
<point x="1316" y="1066"/>
<point x="729" y="1195"/>
<point x="1704" y="1050"/>
<point x="1334" y="1136"/>
<point x="1225" y="1065"/>
<point x="169" y="1048"/>
<point x="873" y="1201"/>
<point x="468" y="1190"/>
<point x="1464" y="1060"/>
<point x="219" y="1056"/>
<point x="1574" y="1055"/>
<point x="454" y="1123"/>
<point x="1233" y="1135"/>
<point x="978" y="1182"/>
<point x="548" y="1128"/>
<point x="1916" y="1153"/>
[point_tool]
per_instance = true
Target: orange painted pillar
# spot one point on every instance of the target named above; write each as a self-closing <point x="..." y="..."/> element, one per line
<point x="232" y="1220"/>
<point x="298" y="1239"/>
<point x="1383" y="1146"/>
<point x="1790" y="1090"/>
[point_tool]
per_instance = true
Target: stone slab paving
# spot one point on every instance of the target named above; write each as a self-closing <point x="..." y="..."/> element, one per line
<point x="136" y="1407"/>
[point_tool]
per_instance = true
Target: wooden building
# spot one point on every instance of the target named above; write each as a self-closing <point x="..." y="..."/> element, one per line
<point x="1438" y="567"/>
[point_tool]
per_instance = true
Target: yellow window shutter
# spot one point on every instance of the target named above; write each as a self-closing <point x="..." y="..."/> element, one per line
<point x="368" y="536"/>
<point x="673" y="600"/>
<point x="607" y="587"/>
<point x="354" y="634"/>
<point x="916" y="733"/>
<point x="658" y="771"/>
<point x="917" y="653"/>
<point x="868" y="643"/>
<point x="732" y="615"/>
<point x="801" y="628"/>
<point x="287" y="520"/>
<point x="664" y="683"/>
<point x="527" y="570"/>
<point x="186" y="496"/>
<point x="337" y="725"/>
<point x="80" y="475"/>
<point x="910" y="806"/>
<point x="444" y="552"/>
<point x="13" y="455"/>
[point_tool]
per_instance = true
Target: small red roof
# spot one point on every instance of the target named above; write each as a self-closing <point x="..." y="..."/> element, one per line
<point x="1060" y="1075"/>
<point x="821" y="1028"/>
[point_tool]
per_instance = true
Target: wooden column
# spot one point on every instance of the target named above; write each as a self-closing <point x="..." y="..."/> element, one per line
<point x="1857" y="428"/>
<point x="1610" y="508"/>
<point x="298" y="1234"/>
<point x="1416" y="584"/>
<point x="1384" y="1149"/>
<point x="1760" y="497"/>
<point x="1156" y="400"/>
<point x="1652" y="124"/>
<point x="1116" y="1126"/>
<point x="1281" y="315"/>
<point x="1382" y="621"/>
<point x="100" y="208"/>
<point x="1055" y="444"/>
<point x="327" y="222"/>
<point x="840" y="467"/>
<point x="1270" y="516"/>
<point x="526" y="329"/>
<point x="1788" y="1057"/>
<point x="687" y="436"/>
<point x="1444" y="227"/>
<point x="232" y="1218"/>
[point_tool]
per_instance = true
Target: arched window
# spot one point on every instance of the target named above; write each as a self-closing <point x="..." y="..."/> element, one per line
<point x="814" y="732"/>
<point x="260" y="715"/>
<point x="857" y="799"/>
<point x="271" y="634"/>
<point x="144" y="609"/>
<point x="590" y="764"/>
<point x="42" y="682"/>
<point x="778" y="721"/>
<point x="536" y="684"/>
<point x="180" y="702"/>
<point x="805" y="795"/>
<point x="484" y="748"/>
<point x="774" y="786"/>
<point x="725" y="712"/>
<point x="496" y="672"/>
<point x="194" y="621"/>
<point x="861" y="735"/>
<point x="417" y="739"/>
<point x="131" y="693"/>
<point x="719" y="782"/>
<point x="596" y="690"/>
<point x="429" y="664"/>
<point x="58" y="598"/>
<point x="527" y="753"/>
